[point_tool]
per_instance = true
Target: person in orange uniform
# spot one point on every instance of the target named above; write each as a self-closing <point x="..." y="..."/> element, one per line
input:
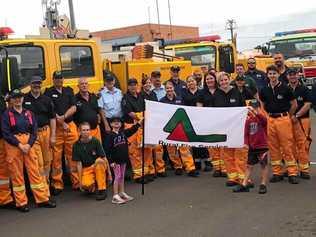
<point x="43" y="110"/>
<point x="93" y="167"/>
<point x="66" y="133"/>
<point x="88" y="109"/>
<point x="6" y="199"/>
<point x="301" y="122"/>
<point x="235" y="159"/>
<point x="280" y="105"/>
<point x="19" y="129"/>
<point x="180" y="157"/>
<point x="133" y="106"/>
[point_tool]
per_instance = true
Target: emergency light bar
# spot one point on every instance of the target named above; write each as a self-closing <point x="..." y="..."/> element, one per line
<point x="279" y="34"/>
<point x="193" y="40"/>
<point x="5" y="32"/>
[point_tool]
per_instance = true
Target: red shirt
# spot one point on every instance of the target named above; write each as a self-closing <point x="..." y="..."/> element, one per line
<point x="256" y="131"/>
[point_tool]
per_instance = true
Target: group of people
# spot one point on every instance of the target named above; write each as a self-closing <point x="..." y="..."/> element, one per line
<point x="101" y="135"/>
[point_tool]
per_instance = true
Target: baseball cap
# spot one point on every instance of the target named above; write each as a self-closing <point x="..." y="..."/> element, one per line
<point x="291" y="70"/>
<point x="108" y="77"/>
<point x="155" y="74"/>
<point x="254" y="103"/>
<point x="115" y="119"/>
<point x="16" y="93"/>
<point x="240" y="78"/>
<point x="57" y="75"/>
<point x="175" y="68"/>
<point x="36" y="80"/>
<point x="132" y="81"/>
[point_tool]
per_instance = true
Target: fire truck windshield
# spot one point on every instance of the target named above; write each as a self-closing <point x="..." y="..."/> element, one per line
<point x="199" y="56"/>
<point x="298" y="48"/>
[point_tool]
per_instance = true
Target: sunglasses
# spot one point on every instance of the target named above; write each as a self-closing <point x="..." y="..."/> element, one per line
<point x="251" y="63"/>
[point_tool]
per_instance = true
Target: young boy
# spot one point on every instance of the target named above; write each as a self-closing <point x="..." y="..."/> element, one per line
<point x="116" y="147"/>
<point x="92" y="165"/>
<point x="256" y="140"/>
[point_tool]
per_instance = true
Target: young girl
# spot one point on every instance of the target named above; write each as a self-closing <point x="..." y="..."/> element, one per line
<point x="116" y="146"/>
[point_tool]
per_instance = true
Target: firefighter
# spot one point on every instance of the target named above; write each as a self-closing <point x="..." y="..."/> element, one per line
<point x="257" y="75"/>
<point x="157" y="166"/>
<point x="66" y="133"/>
<point x="93" y="167"/>
<point x="178" y="84"/>
<point x="88" y="109"/>
<point x="249" y="82"/>
<point x="245" y="92"/>
<point x="43" y="109"/>
<point x="282" y="68"/>
<point x="280" y="105"/>
<point x="206" y="99"/>
<point x="235" y="159"/>
<point x="190" y="98"/>
<point x="133" y="107"/>
<point x="6" y="199"/>
<point x="19" y="129"/>
<point x="157" y="87"/>
<point x="301" y="122"/>
<point x="180" y="157"/>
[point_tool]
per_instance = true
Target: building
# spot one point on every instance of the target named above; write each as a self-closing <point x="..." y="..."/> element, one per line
<point x="130" y="35"/>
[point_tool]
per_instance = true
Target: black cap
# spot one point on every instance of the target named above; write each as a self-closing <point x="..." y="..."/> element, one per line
<point x="132" y="81"/>
<point x="108" y="77"/>
<point x="254" y="103"/>
<point x="36" y="80"/>
<point x="155" y="74"/>
<point x="115" y="119"/>
<point x="57" y="75"/>
<point x="175" y="68"/>
<point x="16" y="93"/>
<point x="240" y="78"/>
<point x="291" y="70"/>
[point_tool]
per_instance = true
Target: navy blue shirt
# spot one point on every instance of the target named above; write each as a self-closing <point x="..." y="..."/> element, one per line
<point x="259" y="77"/>
<point x="302" y="96"/>
<point x="22" y="125"/>
<point x="175" y="101"/>
<point x="179" y="86"/>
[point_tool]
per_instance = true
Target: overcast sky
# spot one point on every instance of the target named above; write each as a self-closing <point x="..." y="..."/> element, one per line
<point x="26" y="16"/>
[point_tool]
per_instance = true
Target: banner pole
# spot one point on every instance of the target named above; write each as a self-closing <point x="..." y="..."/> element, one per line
<point x="143" y="153"/>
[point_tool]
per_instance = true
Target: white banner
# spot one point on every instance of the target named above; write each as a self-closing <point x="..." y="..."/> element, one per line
<point x="194" y="126"/>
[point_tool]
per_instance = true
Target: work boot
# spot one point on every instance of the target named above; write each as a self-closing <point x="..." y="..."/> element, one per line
<point x="223" y="174"/>
<point x="56" y="191"/>
<point x="293" y="180"/>
<point x="250" y="185"/>
<point x="276" y="178"/>
<point x="305" y="175"/>
<point x="10" y="205"/>
<point x="150" y="178"/>
<point x="162" y="174"/>
<point x="100" y="195"/>
<point x="198" y="165"/>
<point x="140" y="180"/>
<point x="262" y="189"/>
<point x="48" y="204"/>
<point x="178" y="172"/>
<point x="193" y="173"/>
<point x="24" y="208"/>
<point x="285" y="174"/>
<point x="231" y="183"/>
<point x="240" y="189"/>
<point x="208" y="166"/>
<point x="217" y="174"/>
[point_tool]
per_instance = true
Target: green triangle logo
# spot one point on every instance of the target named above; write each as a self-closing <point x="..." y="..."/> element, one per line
<point x="180" y="129"/>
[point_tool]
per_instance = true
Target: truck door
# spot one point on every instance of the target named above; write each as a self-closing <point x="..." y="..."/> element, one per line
<point x="226" y="59"/>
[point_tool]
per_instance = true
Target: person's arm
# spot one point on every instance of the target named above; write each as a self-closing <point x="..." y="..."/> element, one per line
<point x="79" y="170"/>
<point x="105" y="123"/>
<point x="33" y="135"/>
<point x="307" y="103"/>
<point x="6" y="130"/>
<point x="70" y="112"/>
<point x="293" y="107"/>
<point x="130" y="131"/>
<point x="263" y="120"/>
<point x="52" y="123"/>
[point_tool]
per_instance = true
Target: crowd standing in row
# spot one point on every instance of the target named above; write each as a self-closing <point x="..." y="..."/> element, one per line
<point x="97" y="134"/>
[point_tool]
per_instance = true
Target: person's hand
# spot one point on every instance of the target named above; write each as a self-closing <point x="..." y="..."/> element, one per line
<point x="294" y="119"/>
<point x="246" y="146"/>
<point x="66" y="127"/>
<point x="52" y="141"/>
<point x="60" y="119"/>
<point x="110" y="177"/>
<point x="107" y="128"/>
<point x="113" y="165"/>
<point x="141" y="122"/>
<point x="25" y="148"/>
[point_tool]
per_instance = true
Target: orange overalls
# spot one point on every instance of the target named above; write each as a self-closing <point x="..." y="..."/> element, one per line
<point x="5" y="191"/>
<point x="181" y="158"/>
<point x="96" y="133"/>
<point x="64" y="142"/>
<point x="17" y="160"/>
<point x="217" y="159"/>
<point x="158" y="164"/>
<point x="95" y="176"/>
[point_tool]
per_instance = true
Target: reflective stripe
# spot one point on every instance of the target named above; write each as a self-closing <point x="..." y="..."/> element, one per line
<point x="18" y="188"/>
<point x="56" y="171"/>
<point x="216" y="162"/>
<point x="290" y="163"/>
<point x="277" y="162"/>
<point x="139" y="171"/>
<point x="302" y="166"/>
<point x="241" y="176"/>
<point x="37" y="186"/>
<point x="232" y="175"/>
<point x="4" y="181"/>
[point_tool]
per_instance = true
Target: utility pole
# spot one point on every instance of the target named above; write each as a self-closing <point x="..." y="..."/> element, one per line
<point x="72" y="16"/>
<point x="170" y="24"/>
<point x="231" y="26"/>
<point x="157" y="6"/>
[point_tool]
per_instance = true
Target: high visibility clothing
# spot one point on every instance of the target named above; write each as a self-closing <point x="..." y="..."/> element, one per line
<point x="94" y="177"/>
<point x="96" y="133"/>
<point x="181" y="158"/>
<point x="64" y="142"/>
<point x="301" y="132"/>
<point x="235" y="160"/>
<point x="280" y="137"/>
<point x="5" y="191"/>
<point x="44" y="153"/>
<point x="158" y="164"/>
<point x="16" y="161"/>
<point x="217" y="159"/>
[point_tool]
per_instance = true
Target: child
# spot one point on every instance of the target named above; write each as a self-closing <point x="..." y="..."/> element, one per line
<point x="256" y="140"/>
<point x="92" y="165"/>
<point x="116" y="146"/>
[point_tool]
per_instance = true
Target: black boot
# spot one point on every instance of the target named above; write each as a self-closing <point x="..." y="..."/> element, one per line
<point x="276" y="178"/>
<point x="198" y="165"/>
<point x="208" y="166"/>
<point x="150" y="178"/>
<point x="140" y="180"/>
<point x="240" y="189"/>
<point x="178" y="172"/>
<point x="230" y="183"/>
<point x="217" y="174"/>
<point x="48" y="204"/>
<point x="56" y="191"/>
<point x="162" y="174"/>
<point x="101" y="195"/>
<point x="305" y="175"/>
<point x="262" y="189"/>
<point x="24" y="208"/>
<point x="293" y="180"/>
<point x="193" y="173"/>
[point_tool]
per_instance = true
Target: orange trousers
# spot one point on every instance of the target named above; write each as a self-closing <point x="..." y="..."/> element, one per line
<point x="235" y="160"/>
<point x="94" y="177"/>
<point x="17" y="160"/>
<point x="301" y="131"/>
<point x="181" y="158"/>
<point x="217" y="159"/>
<point x="5" y="191"/>
<point x="158" y="165"/>
<point x="44" y="153"/>
<point x="96" y="133"/>
<point x="135" y="154"/>
<point x="280" y="138"/>
<point x="64" y="142"/>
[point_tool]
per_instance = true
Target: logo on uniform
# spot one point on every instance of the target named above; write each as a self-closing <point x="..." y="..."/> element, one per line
<point x="279" y="97"/>
<point x="28" y="102"/>
<point x="232" y="100"/>
<point x="94" y="153"/>
<point x="55" y="95"/>
<point x="181" y="129"/>
<point x="300" y="98"/>
<point x="79" y="103"/>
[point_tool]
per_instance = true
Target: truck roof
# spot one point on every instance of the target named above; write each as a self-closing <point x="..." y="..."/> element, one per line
<point x="34" y="40"/>
<point x="294" y="36"/>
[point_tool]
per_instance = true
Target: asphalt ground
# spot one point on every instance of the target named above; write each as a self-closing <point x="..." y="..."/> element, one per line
<point x="177" y="206"/>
